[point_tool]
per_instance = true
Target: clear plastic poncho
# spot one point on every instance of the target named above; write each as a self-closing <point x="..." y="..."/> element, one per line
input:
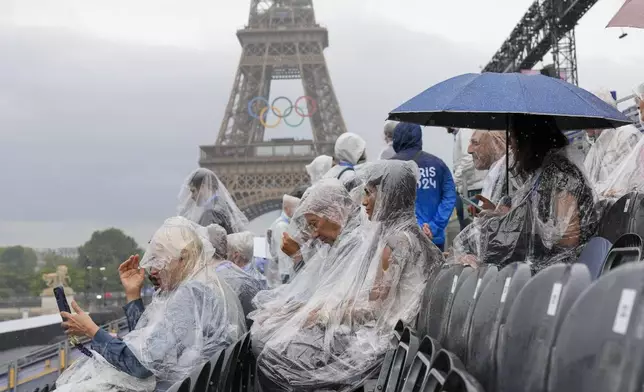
<point x="627" y="177"/>
<point x="205" y="200"/>
<point x="607" y="152"/>
<point x="319" y="167"/>
<point x="241" y="248"/>
<point x="551" y="216"/>
<point x="190" y="318"/>
<point x="327" y="200"/>
<point x="349" y="149"/>
<point x="338" y="339"/>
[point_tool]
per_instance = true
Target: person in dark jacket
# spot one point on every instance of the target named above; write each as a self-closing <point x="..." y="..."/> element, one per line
<point x="436" y="192"/>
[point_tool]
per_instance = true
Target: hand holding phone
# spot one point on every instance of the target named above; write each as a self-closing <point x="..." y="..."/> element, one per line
<point x="63" y="307"/>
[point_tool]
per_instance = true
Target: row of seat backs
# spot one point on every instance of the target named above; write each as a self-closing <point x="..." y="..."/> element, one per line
<point x="600" y="255"/>
<point x="230" y="370"/>
<point x="415" y="366"/>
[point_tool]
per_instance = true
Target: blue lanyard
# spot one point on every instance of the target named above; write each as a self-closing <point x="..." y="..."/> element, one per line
<point x="285" y="218"/>
<point x="345" y="164"/>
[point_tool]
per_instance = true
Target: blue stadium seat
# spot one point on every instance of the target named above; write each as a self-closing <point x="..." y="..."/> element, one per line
<point x="526" y="342"/>
<point x="458" y="326"/>
<point x="594" y="255"/>
<point x="439" y="306"/>
<point x="403" y="357"/>
<point x="627" y="249"/>
<point x="489" y="319"/>
<point x="599" y="347"/>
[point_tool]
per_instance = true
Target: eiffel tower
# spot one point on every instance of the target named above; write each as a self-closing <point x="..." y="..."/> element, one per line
<point x="281" y="41"/>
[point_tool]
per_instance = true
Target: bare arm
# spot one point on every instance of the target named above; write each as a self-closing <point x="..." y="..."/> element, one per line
<point x="567" y="212"/>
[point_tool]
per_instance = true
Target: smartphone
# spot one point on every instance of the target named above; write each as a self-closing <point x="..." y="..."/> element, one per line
<point x="471" y="203"/>
<point x="63" y="306"/>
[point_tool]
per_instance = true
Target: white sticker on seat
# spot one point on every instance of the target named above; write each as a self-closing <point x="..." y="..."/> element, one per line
<point x="624" y="310"/>
<point x="506" y="286"/>
<point x="454" y="282"/>
<point x="476" y="289"/>
<point x="554" y="299"/>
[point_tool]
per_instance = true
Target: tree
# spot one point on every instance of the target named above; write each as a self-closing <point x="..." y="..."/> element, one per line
<point x="17" y="269"/>
<point x="108" y="249"/>
<point x="52" y="261"/>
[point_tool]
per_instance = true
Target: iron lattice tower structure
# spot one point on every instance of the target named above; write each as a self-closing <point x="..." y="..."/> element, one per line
<point x="281" y="41"/>
<point x="548" y="25"/>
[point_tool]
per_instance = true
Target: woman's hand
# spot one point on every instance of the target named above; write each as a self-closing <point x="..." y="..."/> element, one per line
<point x="79" y="324"/>
<point x="132" y="277"/>
<point x="289" y="246"/>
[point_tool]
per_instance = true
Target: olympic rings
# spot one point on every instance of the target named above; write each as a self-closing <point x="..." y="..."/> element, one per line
<point x="263" y="113"/>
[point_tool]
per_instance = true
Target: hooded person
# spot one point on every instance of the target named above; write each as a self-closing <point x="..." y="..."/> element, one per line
<point x="205" y="200"/>
<point x="388" y="152"/>
<point x="325" y="224"/>
<point x="241" y="248"/>
<point x="319" y="167"/>
<point x="338" y="339"/>
<point x="436" y="193"/>
<point x="350" y="151"/>
<point x="189" y="319"/>
<point x="609" y="149"/>
<point x="281" y="266"/>
<point x="488" y="149"/>
<point x="551" y="216"/>
<point x="244" y="285"/>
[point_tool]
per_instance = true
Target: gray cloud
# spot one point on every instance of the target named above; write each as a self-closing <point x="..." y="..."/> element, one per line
<point x="95" y="133"/>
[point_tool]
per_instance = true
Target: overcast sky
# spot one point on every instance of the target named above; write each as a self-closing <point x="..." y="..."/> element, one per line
<point x="103" y="104"/>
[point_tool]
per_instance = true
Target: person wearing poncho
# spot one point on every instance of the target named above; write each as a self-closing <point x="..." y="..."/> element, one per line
<point x="339" y="338"/>
<point x="190" y="318"/>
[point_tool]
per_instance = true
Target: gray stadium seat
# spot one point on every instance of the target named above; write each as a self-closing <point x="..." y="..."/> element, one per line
<point x="489" y="319"/>
<point x="423" y="314"/>
<point x="385" y="368"/>
<point x="626" y="215"/>
<point x="599" y="346"/>
<point x="458" y="326"/>
<point x="444" y="363"/>
<point x="217" y="364"/>
<point x="526" y="342"/>
<point x="594" y="255"/>
<point x="201" y="378"/>
<point x="439" y="307"/>
<point x="627" y="249"/>
<point x="419" y="370"/>
<point x="403" y="357"/>
<point x="458" y="380"/>
<point x="180" y="386"/>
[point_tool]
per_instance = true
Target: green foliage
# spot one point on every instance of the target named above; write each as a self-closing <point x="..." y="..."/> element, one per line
<point x="17" y="267"/>
<point x="108" y="249"/>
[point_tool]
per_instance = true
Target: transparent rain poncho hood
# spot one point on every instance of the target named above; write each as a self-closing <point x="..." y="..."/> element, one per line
<point x="319" y="167"/>
<point x="327" y="200"/>
<point x="551" y="216"/>
<point x="190" y="318"/>
<point x="339" y="337"/>
<point x="205" y="200"/>
<point x="349" y="150"/>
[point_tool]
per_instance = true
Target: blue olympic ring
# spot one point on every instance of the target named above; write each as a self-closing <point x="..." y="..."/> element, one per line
<point x="263" y="113"/>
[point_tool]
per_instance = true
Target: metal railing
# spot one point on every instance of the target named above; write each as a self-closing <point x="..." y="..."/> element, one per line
<point x="47" y="361"/>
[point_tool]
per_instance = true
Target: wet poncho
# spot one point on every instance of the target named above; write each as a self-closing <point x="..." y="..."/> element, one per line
<point x="349" y="149"/>
<point x="338" y="339"/>
<point x="552" y="215"/>
<point x="189" y="319"/>
<point x="627" y="177"/>
<point x="205" y="200"/>
<point x="318" y="168"/>
<point x="241" y="248"/>
<point x="327" y="200"/>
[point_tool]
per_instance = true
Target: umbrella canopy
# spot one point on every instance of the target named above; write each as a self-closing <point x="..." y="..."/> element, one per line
<point x="488" y="101"/>
<point x="630" y="15"/>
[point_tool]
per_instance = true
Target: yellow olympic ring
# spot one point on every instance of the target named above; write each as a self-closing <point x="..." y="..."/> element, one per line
<point x="263" y="112"/>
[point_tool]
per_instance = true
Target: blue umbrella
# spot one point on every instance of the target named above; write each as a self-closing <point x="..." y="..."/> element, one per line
<point x="488" y="101"/>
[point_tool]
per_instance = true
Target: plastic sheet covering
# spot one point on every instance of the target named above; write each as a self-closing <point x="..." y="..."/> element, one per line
<point x="627" y="177"/>
<point x="319" y="167"/>
<point x="609" y="150"/>
<point x="241" y="247"/>
<point x="205" y="200"/>
<point x="550" y="217"/>
<point x="340" y="336"/>
<point x="244" y="285"/>
<point x="192" y="317"/>
<point x="326" y="203"/>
